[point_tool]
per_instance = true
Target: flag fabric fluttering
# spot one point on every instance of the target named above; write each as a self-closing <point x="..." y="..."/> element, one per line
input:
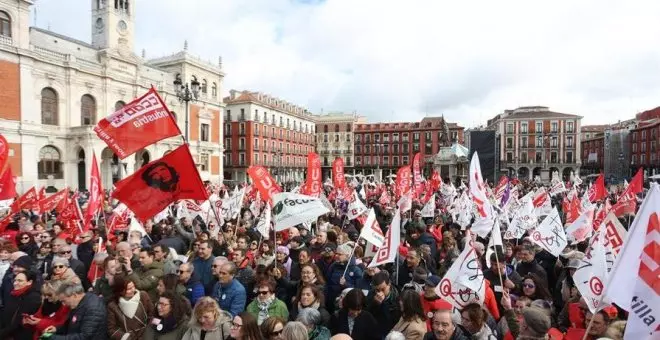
<point x="292" y="209"/>
<point x="96" y="194"/>
<point x="387" y="252"/>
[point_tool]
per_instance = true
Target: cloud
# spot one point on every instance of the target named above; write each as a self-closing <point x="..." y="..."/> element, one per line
<point x="399" y="60"/>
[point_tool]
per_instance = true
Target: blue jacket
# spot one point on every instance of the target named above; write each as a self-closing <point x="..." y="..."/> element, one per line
<point x="203" y="269"/>
<point x="335" y="272"/>
<point x="231" y="297"/>
<point x="194" y="289"/>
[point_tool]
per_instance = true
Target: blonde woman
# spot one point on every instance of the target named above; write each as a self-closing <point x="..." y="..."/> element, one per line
<point x="51" y="313"/>
<point x="209" y="319"/>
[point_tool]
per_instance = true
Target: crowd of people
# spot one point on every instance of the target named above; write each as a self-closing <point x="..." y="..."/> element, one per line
<point x="194" y="280"/>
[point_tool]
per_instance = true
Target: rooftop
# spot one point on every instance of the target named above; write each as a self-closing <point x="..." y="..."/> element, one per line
<point x="534" y="112"/>
<point x="274" y="103"/>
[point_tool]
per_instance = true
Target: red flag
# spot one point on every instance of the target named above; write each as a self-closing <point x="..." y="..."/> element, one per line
<point x="70" y="215"/>
<point x="95" y="193"/>
<point x="403" y="180"/>
<point x="417" y="174"/>
<point x="264" y="182"/>
<point x="55" y="201"/>
<point x="338" y="179"/>
<point x="627" y="202"/>
<point x="384" y="198"/>
<point x="436" y="181"/>
<point x="28" y="200"/>
<point x="313" y="183"/>
<point x="4" y="153"/>
<point x="597" y="191"/>
<point x="600" y="215"/>
<point x="140" y="123"/>
<point x="161" y="182"/>
<point x="7" y="185"/>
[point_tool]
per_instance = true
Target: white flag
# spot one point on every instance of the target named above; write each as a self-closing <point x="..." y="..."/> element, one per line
<point x="263" y="226"/>
<point x="478" y="189"/>
<point x="495" y="240"/>
<point x="523" y="220"/>
<point x="550" y="234"/>
<point x="405" y="202"/>
<point x="371" y="230"/>
<point x="387" y="252"/>
<point x="429" y="207"/>
<point x="591" y="274"/>
<point x="582" y="227"/>
<point x="355" y="207"/>
<point x="464" y="282"/>
<point x="292" y="209"/>
<point x="634" y="283"/>
<point x="135" y="225"/>
<point x="615" y="233"/>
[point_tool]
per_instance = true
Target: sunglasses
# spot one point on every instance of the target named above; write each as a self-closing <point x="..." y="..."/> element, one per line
<point x="44" y="236"/>
<point x="276" y="333"/>
<point x="65" y="252"/>
<point x="25" y="238"/>
<point x="528" y="285"/>
<point x="59" y="266"/>
<point x="264" y="292"/>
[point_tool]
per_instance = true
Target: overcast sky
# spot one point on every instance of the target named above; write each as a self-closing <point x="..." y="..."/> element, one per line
<point x="399" y="60"/>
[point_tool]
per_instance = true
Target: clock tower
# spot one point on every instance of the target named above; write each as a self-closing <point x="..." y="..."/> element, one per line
<point x="113" y="24"/>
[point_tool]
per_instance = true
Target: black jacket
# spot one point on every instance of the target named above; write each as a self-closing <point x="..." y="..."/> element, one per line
<point x="89" y="320"/>
<point x="86" y="254"/>
<point x="458" y="335"/>
<point x="387" y="313"/>
<point x="12" y="314"/>
<point x="364" y="328"/>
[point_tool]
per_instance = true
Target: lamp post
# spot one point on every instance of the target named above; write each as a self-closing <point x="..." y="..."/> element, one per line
<point x="186" y="93"/>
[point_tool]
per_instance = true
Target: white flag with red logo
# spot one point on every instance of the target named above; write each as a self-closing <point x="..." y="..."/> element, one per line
<point x="371" y="230"/>
<point x="387" y="252"/>
<point x="550" y="234"/>
<point x="355" y="207"/>
<point x="582" y="228"/>
<point x="464" y="282"/>
<point x="634" y="283"/>
<point x="591" y="274"/>
<point x="615" y="233"/>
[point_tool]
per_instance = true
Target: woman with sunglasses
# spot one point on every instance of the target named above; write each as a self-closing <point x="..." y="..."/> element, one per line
<point x="26" y="244"/>
<point x="267" y="304"/>
<point x="51" y="313"/>
<point x="244" y="327"/>
<point x="171" y="320"/>
<point x="61" y="270"/>
<point x="534" y="288"/>
<point x="208" y="321"/>
<point x="272" y="328"/>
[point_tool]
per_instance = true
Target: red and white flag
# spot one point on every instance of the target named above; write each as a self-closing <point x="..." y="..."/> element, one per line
<point x="417" y="174"/>
<point x="591" y="274"/>
<point x="387" y="252"/>
<point x="338" y="178"/>
<point x="95" y="194"/>
<point x="160" y="183"/>
<point x="140" y="123"/>
<point x="7" y="185"/>
<point x="371" y="231"/>
<point x="313" y="183"/>
<point x="478" y="189"/>
<point x="597" y="191"/>
<point x="464" y="282"/>
<point x="634" y="282"/>
<point x="27" y="201"/>
<point x="264" y="182"/>
<point x="627" y="202"/>
<point x="355" y="207"/>
<point x="403" y="180"/>
<point x="55" y="201"/>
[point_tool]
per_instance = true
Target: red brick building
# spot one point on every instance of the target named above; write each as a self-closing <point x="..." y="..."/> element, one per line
<point x="264" y="130"/>
<point x="644" y="146"/>
<point x="593" y="155"/>
<point x="389" y="146"/>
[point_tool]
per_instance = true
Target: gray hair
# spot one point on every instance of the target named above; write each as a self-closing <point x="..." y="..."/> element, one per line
<point x="60" y="260"/>
<point x="71" y="288"/>
<point x="394" y="335"/>
<point x="309" y="317"/>
<point x="295" y="330"/>
<point x="189" y="266"/>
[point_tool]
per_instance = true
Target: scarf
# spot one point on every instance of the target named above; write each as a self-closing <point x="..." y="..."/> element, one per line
<point x="263" y="309"/>
<point x="314" y="305"/>
<point x="19" y="292"/>
<point x="166" y="325"/>
<point x="129" y="307"/>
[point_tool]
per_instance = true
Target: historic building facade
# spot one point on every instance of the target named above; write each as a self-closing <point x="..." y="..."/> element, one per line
<point x="334" y="138"/>
<point x="264" y="130"/>
<point x="381" y="148"/>
<point x="535" y="141"/>
<point x="56" y="88"/>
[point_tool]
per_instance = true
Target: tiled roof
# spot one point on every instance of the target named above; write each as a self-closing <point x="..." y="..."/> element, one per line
<point x="594" y="128"/>
<point x="63" y="37"/>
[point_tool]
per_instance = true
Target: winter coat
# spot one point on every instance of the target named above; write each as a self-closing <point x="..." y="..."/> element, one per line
<point x="194" y="289"/>
<point x="412" y="330"/>
<point x="203" y="269"/>
<point x="119" y="324"/>
<point x="57" y="319"/>
<point x="221" y="331"/>
<point x="85" y="253"/>
<point x="276" y="308"/>
<point x="146" y="278"/>
<point x="335" y="273"/>
<point x="319" y="333"/>
<point x="387" y="313"/>
<point x="231" y="297"/>
<point x="103" y="289"/>
<point x="85" y="322"/>
<point x="364" y="327"/>
<point x="11" y="316"/>
<point x="176" y="334"/>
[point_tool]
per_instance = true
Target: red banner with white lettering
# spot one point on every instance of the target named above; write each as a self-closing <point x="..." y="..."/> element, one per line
<point x="95" y="193"/>
<point x="627" y="203"/>
<point x="140" y="123"/>
<point x="262" y="179"/>
<point x="403" y="180"/>
<point x="7" y="185"/>
<point x="338" y="179"/>
<point x="597" y="191"/>
<point x="417" y="174"/>
<point x="54" y="201"/>
<point x="27" y="201"/>
<point x="313" y="181"/>
<point x="161" y="182"/>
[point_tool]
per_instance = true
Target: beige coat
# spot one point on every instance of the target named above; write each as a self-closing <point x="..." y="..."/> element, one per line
<point x="412" y="330"/>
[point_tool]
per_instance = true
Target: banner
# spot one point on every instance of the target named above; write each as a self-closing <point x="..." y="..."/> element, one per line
<point x="403" y="180"/>
<point x="429" y="207"/>
<point x="387" y="252"/>
<point x="27" y="201"/>
<point x="313" y="185"/>
<point x="464" y="282"/>
<point x="292" y="209"/>
<point x="550" y="234"/>
<point x="140" y="123"/>
<point x="355" y="207"/>
<point x="264" y="182"/>
<point x="7" y="185"/>
<point x="615" y="233"/>
<point x="160" y="183"/>
<point x="417" y="174"/>
<point x="338" y="178"/>
<point x="591" y="274"/>
<point x="96" y="194"/>
<point x="55" y="201"/>
<point x="371" y="231"/>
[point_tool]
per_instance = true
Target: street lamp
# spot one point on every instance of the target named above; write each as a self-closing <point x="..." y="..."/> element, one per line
<point x="186" y="94"/>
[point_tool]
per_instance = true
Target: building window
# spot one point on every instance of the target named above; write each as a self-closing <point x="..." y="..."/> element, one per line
<point x="416" y="136"/>
<point x="241" y="128"/>
<point x="256" y="159"/>
<point x="5" y="24"/>
<point x="358" y="160"/>
<point x="405" y="159"/>
<point x="553" y="157"/>
<point x="49" y="163"/>
<point x="367" y="160"/>
<point x="405" y="137"/>
<point x="395" y="148"/>
<point x="348" y="137"/>
<point x="643" y="146"/>
<point x="256" y="144"/>
<point x="644" y="135"/>
<point x="509" y="142"/>
<point x="634" y="147"/>
<point x="336" y="127"/>
<point x="553" y="142"/>
<point x="241" y="144"/>
<point x="523" y="157"/>
<point x="509" y="157"/>
<point x="367" y="149"/>
<point x="204" y="86"/>
<point x="642" y="159"/>
<point x="204" y="162"/>
<point x="539" y="127"/>
<point x="539" y="157"/>
<point x="386" y="160"/>
<point x="554" y="127"/>
<point x="523" y="142"/>
<point x="227" y="144"/>
<point x="395" y="160"/>
<point x="570" y="126"/>
<point x="119" y="105"/>
<point x="49" y="107"/>
<point x="377" y="138"/>
<point x="87" y="110"/>
<point x="569" y="141"/>
<point x="523" y="127"/>
<point x="427" y="136"/>
<point x="367" y="138"/>
<point x="406" y="148"/>
<point x="205" y="132"/>
<point x="336" y="138"/>
<point x="569" y="156"/>
<point x="509" y="128"/>
<point x="214" y="90"/>
<point x="395" y="137"/>
<point x="241" y="158"/>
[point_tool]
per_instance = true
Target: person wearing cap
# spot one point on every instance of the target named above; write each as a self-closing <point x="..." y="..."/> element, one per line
<point x="431" y="302"/>
<point x="535" y="324"/>
<point x="343" y="273"/>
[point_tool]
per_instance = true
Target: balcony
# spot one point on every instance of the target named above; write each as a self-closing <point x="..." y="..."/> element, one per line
<point x="5" y="40"/>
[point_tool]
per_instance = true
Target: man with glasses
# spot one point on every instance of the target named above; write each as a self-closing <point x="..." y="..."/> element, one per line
<point x="190" y="279"/>
<point x="228" y="292"/>
<point x="85" y="249"/>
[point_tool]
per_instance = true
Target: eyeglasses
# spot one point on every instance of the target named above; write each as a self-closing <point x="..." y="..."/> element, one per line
<point x="276" y="333"/>
<point x="25" y="238"/>
<point x="236" y="325"/>
<point x="163" y="304"/>
<point x="64" y="252"/>
<point x="44" y="236"/>
<point x="528" y="285"/>
<point x="264" y="292"/>
<point x="59" y="266"/>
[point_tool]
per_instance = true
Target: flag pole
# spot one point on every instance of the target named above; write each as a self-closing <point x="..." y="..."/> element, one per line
<point x="349" y="257"/>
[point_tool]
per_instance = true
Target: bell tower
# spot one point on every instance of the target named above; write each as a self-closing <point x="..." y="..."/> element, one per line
<point x="113" y="24"/>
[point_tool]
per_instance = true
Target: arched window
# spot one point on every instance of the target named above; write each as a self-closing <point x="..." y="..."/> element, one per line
<point x="325" y="129"/>
<point x="214" y="90"/>
<point x="49" y="163"/>
<point x="336" y="127"/>
<point x="87" y="110"/>
<point x="119" y="105"/>
<point x="204" y="86"/>
<point x="5" y="24"/>
<point x="49" y="107"/>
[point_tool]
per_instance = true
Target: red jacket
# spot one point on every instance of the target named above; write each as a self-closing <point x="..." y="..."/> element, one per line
<point x="56" y="319"/>
<point x="491" y="302"/>
<point x="430" y="306"/>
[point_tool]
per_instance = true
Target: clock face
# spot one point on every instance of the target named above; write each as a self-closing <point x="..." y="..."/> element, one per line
<point x="122" y="27"/>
